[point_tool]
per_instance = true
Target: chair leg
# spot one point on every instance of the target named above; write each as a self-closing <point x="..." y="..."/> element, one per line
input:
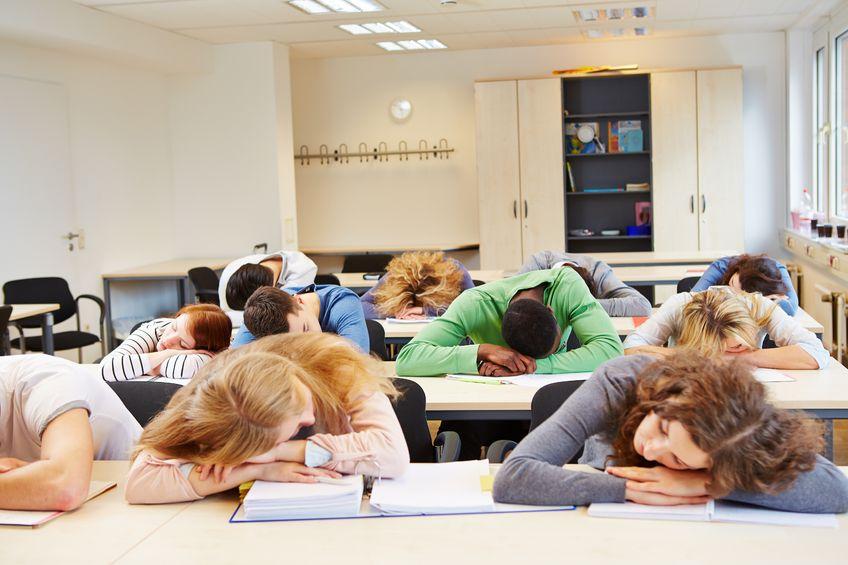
<point x="23" y="339"/>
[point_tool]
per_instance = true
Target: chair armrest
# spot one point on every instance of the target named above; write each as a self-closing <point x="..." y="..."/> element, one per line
<point x="499" y="449"/>
<point x="95" y="299"/>
<point x="447" y="446"/>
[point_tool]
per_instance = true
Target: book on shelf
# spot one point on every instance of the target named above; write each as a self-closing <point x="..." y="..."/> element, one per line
<point x="630" y="139"/>
<point x="643" y="213"/>
<point x="603" y="189"/>
<point x="570" y="178"/>
<point x="637" y="187"/>
<point x="612" y="137"/>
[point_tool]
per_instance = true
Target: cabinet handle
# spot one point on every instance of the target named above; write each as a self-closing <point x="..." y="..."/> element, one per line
<point x="515" y="209"/>
<point x="691" y="203"/>
<point x="525" y="209"/>
<point x="703" y="204"/>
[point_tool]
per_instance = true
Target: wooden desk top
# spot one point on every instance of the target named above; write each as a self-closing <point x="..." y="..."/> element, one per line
<point x="21" y="311"/>
<point x="661" y="258"/>
<point x="355" y="280"/>
<point x="172" y="268"/>
<point x="394" y="248"/>
<point x="107" y="529"/>
<point x="668" y="274"/>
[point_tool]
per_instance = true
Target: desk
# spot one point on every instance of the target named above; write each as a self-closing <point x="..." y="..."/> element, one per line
<point x="21" y="311"/>
<point x="650" y="275"/>
<point x="642" y="258"/>
<point x="363" y="250"/>
<point x="174" y="270"/>
<point x="107" y="529"/>
<point x="354" y="281"/>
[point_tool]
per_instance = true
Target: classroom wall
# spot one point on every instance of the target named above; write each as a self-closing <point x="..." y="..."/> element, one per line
<point x="345" y="100"/>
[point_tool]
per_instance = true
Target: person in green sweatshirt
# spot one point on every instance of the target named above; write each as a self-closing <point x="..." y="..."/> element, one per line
<point x="517" y="325"/>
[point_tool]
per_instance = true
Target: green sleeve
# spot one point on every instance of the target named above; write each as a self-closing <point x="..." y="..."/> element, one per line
<point x="591" y="324"/>
<point x="436" y="350"/>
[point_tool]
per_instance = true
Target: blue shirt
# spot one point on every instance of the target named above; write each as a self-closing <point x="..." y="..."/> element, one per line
<point x="340" y="312"/>
<point x="715" y="273"/>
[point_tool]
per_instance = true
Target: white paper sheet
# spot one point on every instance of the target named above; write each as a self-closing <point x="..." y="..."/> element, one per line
<point x="532" y="380"/>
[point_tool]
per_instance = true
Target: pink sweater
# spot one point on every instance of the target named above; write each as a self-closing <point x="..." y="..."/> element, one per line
<point x="374" y="444"/>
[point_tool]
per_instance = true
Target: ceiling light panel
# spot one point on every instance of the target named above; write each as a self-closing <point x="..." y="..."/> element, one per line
<point x="412" y="45"/>
<point x="432" y="44"/>
<point x="380" y="27"/>
<point x="354" y="29"/>
<point x="309" y="6"/>
<point x="377" y="27"/>
<point x="603" y="12"/>
<point x="403" y="27"/>
<point x="339" y="6"/>
<point x="390" y="46"/>
<point x="367" y="5"/>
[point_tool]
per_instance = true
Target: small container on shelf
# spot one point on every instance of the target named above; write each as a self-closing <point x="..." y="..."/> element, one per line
<point x="644" y="229"/>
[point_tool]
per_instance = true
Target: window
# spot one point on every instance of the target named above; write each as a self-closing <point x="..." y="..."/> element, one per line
<point x="820" y="129"/>
<point x="840" y="190"/>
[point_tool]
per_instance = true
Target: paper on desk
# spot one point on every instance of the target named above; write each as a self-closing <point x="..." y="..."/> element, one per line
<point x="36" y="518"/>
<point x="531" y="380"/>
<point x="771" y="376"/>
<point x="410" y="320"/>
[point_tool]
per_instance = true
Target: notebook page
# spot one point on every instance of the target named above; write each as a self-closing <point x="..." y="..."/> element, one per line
<point x="771" y="376"/>
<point x="687" y="512"/>
<point x="531" y="380"/>
<point x="726" y="511"/>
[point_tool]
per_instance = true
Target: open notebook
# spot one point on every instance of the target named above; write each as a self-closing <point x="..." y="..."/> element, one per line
<point x="462" y="487"/>
<point x="410" y="320"/>
<point x="36" y="518"/>
<point x="713" y="511"/>
<point x="531" y="380"/>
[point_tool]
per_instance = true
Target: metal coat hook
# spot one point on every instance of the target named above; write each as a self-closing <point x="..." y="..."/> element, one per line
<point x="403" y="151"/>
<point x="363" y="151"/>
<point x="443" y="145"/>
<point x="323" y="152"/>
<point x="304" y="154"/>
<point x="422" y="148"/>
<point x="342" y="153"/>
<point x="379" y="153"/>
<point x="383" y="150"/>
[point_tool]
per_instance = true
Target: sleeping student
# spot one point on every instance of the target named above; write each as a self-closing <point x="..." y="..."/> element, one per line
<point x="55" y="419"/>
<point x="287" y="408"/>
<point x="615" y="297"/>
<point x="417" y="284"/>
<point x="681" y="430"/>
<point x="720" y="321"/>
<point x="170" y="347"/>
<point x="752" y="273"/>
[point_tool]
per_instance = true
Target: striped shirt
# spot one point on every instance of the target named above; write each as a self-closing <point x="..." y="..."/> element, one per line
<point x="131" y="360"/>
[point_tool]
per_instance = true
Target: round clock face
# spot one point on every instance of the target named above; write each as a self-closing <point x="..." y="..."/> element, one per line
<point x="400" y="109"/>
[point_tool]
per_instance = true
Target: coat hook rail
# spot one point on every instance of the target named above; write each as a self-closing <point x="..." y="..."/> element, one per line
<point x="380" y="152"/>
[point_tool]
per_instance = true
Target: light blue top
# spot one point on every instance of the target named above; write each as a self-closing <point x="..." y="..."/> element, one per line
<point x="340" y="313"/>
<point x="713" y="275"/>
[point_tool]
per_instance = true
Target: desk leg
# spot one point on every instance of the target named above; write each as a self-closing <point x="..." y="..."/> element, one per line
<point x="110" y="329"/>
<point x="47" y="333"/>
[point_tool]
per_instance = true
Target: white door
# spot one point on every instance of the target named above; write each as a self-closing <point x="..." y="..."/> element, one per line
<point x="498" y="185"/>
<point x="35" y="176"/>
<point x="674" y="145"/>
<point x="720" y="161"/>
<point x="542" y="180"/>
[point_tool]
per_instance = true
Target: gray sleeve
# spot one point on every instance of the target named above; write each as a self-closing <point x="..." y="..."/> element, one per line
<point x="538" y="262"/>
<point x="822" y="490"/>
<point x="534" y="473"/>
<point x="615" y="297"/>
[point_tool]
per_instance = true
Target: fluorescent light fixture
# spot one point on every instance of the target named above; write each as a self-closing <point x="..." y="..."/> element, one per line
<point x="587" y="15"/>
<point x="390" y="46"/>
<point x="615" y="13"/>
<point x="615" y="32"/>
<point x="620" y="11"/>
<point x="640" y="31"/>
<point x="432" y="44"/>
<point x="309" y="6"/>
<point x="640" y="12"/>
<point x="354" y="29"/>
<point x="410" y="44"/>
<point x="377" y="27"/>
<point x="341" y="6"/>
<point x="403" y="27"/>
<point x="594" y="33"/>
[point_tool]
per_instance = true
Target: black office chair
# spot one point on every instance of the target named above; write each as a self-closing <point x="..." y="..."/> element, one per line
<point x="685" y="284"/>
<point x="46" y="290"/>
<point x="5" y="314"/>
<point x="546" y="401"/>
<point x="205" y="282"/>
<point x="144" y="399"/>
<point x="368" y="263"/>
<point x="327" y="279"/>
<point x="410" y="409"/>
<point x="377" y="339"/>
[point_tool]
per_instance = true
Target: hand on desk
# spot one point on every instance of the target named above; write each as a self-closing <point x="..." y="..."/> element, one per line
<point x="504" y="358"/>
<point x="661" y="486"/>
<point x="411" y="313"/>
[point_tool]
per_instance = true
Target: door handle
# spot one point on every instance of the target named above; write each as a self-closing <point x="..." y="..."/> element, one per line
<point x="691" y="203"/>
<point x="525" y="209"/>
<point x="515" y="209"/>
<point x="703" y="204"/>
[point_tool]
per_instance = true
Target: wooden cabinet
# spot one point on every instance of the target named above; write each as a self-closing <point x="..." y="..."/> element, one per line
<point x="519" y="170"/>
<point x="697" y="161"/>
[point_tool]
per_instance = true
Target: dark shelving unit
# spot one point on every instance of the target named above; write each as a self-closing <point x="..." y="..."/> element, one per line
<point x="606" y="99"/>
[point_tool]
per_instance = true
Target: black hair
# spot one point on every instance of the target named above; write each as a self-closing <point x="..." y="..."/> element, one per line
<point x="245" y="281"/>
<point x="586" y="276"/>
<point x="530" y="328"/>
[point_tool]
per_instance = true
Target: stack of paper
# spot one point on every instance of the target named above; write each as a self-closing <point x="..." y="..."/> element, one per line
<point x="410" y="320"/>
<point x="713" y="511"/>
<point x="531" y="380"/>
<point x="771" y="376"/>
<point x="444" y="488"/>
<point x="285" y="501"/>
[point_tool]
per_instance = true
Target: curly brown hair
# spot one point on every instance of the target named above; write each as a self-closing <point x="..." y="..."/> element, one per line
<point x="753" y="446"/>
<point x="757" y="273"/>
<point x="418" y="278"/>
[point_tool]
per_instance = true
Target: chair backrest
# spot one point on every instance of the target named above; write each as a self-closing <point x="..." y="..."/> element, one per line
<point x="377" y="339"/>
<point x="685" y="284"/>
<point x="5" y="314"/>
<point x="204" y="278"/>
<point x="144" y="399"/>
<point x="139" y="324"/>
<point x="410" y="409"/>
<point x="548" y="399"/>
<point x="41" y="290"/>
<point x="327" y="279"/>
<point x="369" y="263"/>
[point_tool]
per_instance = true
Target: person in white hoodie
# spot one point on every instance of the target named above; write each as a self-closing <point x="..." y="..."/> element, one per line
<point x="243" y="276"/>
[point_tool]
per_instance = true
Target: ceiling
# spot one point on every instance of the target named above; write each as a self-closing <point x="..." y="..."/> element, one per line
<point x="469" y="24"/>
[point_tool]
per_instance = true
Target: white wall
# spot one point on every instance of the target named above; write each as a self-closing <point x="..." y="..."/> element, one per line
<point x="346" y="100"/>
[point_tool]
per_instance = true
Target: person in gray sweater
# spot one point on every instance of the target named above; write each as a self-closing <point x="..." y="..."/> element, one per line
<point x="615" y="297"/>
<point x="680" y="431"/>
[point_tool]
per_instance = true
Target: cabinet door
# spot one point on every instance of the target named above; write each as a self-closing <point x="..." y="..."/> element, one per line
<point x="675" y="161"/>
<point x="540" y="139"/>
<point x="498" y="174"/>
<point x="720" y="162"/>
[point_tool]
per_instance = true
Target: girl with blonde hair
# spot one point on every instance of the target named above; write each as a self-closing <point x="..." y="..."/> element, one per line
<point x="241" y="419"/>
<point x="720" y="321"/>
<point x="417" y="284"/>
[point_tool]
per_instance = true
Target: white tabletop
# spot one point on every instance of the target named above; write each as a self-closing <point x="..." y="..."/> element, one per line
<point x="21" y="311"/>
<point x="355" y="280"/>
<point x="661" y="257"/>
<point x="107" y="529"/>
<point x="665" y="274"/>
<point x="172" y="268"/>
<point x="393" y="248"/>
